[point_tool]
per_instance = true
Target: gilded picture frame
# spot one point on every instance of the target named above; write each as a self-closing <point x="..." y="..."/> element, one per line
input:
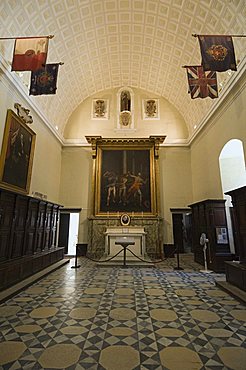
<point x="125" y="180"/>
<point x="17" y="154"/>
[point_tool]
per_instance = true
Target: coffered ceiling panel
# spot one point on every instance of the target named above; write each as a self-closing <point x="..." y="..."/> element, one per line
<point x="113" y="43"/>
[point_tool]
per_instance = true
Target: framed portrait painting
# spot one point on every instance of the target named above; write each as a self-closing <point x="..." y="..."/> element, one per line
<point x="125" y="180"/>
<point x="17" y="154"/>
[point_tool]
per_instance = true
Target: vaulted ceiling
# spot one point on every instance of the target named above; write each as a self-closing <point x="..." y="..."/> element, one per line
<point x="113" y="43"/>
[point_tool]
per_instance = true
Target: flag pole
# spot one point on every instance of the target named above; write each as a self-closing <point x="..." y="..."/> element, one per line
<point x="196" y="35"/>
<point x="27" y="37"/>
<point x="191" y="66"/>
<point x="60" y="64"/>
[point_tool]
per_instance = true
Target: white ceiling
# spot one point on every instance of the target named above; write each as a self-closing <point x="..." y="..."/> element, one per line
<point x="113" y="43"/>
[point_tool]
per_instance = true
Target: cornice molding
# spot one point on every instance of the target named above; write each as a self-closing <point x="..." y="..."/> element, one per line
<point x="99" y="140"/>
<point x="150" y="142"/>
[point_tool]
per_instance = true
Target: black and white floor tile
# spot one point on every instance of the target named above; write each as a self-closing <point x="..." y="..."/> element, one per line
<point x="118" y="318"/>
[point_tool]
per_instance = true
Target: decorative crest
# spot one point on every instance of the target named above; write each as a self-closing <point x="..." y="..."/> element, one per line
<point x="125" y="118"/>
<point x="23" y="113"/>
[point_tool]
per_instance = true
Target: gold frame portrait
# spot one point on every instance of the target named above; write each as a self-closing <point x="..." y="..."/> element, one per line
<point x="17" y="154"/>
<point x="131" y="167"/>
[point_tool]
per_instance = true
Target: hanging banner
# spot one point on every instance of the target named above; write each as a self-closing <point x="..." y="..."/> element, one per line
<point x="43" y="81"/>
<point x="202" y="84"/>
<point x="217" y="53"/>
<point x="30" y="54"/>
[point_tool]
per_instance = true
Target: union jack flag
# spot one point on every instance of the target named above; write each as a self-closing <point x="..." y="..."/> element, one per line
<point x="202" y="84"/>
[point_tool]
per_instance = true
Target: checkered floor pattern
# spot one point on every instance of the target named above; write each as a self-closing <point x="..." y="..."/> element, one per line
<point x="82" y="318"/>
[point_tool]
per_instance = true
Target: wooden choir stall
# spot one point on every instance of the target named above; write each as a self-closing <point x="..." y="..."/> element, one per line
<point x="28" y="234"/>
<point x="236" y="271"/>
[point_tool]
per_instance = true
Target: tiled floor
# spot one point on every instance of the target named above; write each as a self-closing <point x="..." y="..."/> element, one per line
<point x="124" y="318"/>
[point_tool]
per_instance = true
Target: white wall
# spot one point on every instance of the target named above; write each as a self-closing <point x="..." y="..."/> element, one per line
<point x="76" y="188"/>
<point x="232" y="165"/>
<point x="175" y="184"/>
<point x="170" y="123"/>
<point x="228" y="123"/>
<point x="47" y="155"/>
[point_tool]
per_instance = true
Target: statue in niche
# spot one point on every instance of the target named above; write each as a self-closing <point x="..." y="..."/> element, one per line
<point x="151" y="108"/>
<point x="125" y="101"/>
<point x="100" y="108"/>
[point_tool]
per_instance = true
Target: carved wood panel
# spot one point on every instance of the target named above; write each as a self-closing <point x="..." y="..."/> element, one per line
<point x="6" y="219"/>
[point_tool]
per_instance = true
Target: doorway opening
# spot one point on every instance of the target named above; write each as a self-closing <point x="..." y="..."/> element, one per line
<point x="182" y="236"/>
<point x="68" y="230"/>
<point x="233" y="176"/>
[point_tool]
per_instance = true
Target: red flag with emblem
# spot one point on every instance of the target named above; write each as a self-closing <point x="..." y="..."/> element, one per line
<point x="30" y="54"/>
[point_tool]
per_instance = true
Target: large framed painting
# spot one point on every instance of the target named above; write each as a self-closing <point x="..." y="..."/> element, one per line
<point x="125" y="180"/>
<point x="17" y="154"/>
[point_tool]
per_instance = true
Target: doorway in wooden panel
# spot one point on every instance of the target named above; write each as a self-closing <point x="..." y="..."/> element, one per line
<point x="181" y="219"/>
<point x="68" y="231"/>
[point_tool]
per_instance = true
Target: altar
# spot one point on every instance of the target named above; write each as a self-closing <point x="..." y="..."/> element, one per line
<point x="147" y="233"/>
<point x="116" y="235"/>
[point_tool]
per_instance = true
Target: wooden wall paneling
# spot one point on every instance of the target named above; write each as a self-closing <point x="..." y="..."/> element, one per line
<point x="178" y="231"/>
<point x="54" y="224"/>
<point x="7" y="201"/>
<point x="28" y="229"/>
<point x="19" y="223"/>
<point x="198" y="227"/>
<point x="241" y="216"/>
<point x="31" y="226"/>
<point x="208" y="216"/>
<point x="236" y="274"/>
<point x="40" y="227"/>
<point x="27" y="267"/>
<point x="47" y="226"/>
<point x="12" y="274"/>
<point x="235" y="232"/>
<point x="239" y="204"/>
<point x="219" y="252"/>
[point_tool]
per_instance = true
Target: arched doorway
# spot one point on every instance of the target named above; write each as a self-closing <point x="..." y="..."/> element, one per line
<point x="233" y="176"/>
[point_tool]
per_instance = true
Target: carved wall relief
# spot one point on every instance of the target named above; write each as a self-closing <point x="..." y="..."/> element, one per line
<point x="151" y="109"/>
<point x="100" y="109"/>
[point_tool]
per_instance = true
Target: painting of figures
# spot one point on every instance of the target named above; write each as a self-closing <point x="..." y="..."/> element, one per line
<point x="17" y="154"/>
<point x="125" y="181"/>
